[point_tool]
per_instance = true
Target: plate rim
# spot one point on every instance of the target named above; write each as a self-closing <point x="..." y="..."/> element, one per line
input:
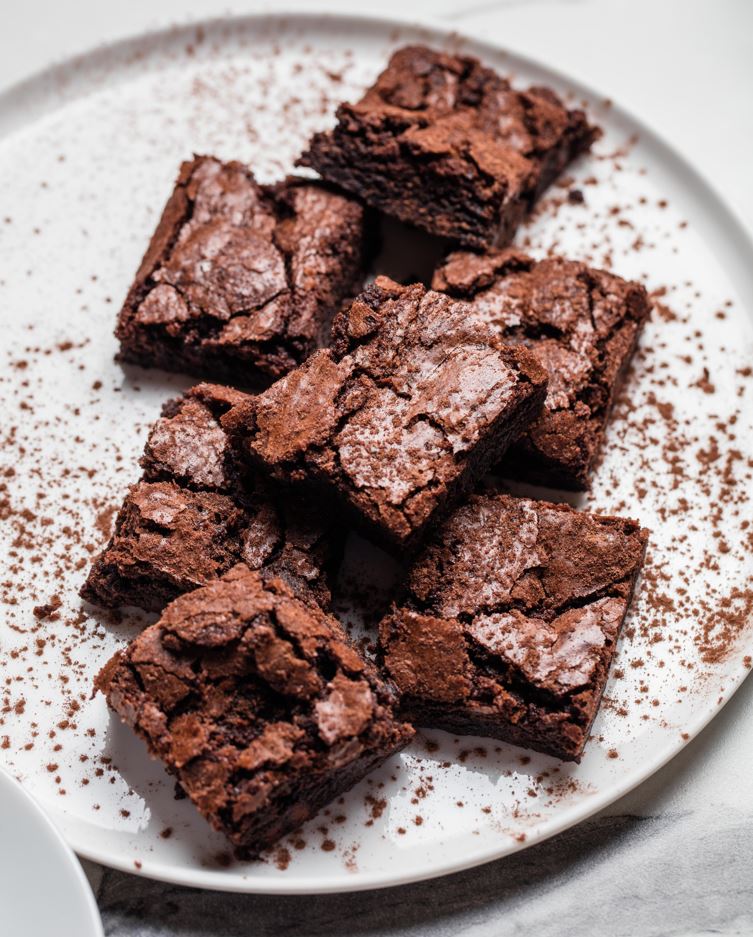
<point x="55" y="837"/>
<point x="432" y="29"/>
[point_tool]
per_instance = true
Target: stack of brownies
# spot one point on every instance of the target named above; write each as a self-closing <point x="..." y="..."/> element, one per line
<point x="379" y="407"/>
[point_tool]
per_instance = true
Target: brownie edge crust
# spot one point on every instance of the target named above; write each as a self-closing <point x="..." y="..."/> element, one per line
<point x="197" y="511"/>
<point x="444" y="143"/>
<point x="583" y="324"/>
<point x="400" y="417"/>
<point x="257" y="703"/>
<point x="509" y="621"/>
<point x="240" y="281"/>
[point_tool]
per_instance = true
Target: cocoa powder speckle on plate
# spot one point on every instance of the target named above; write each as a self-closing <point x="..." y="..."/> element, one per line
<point x="678" y="454"/>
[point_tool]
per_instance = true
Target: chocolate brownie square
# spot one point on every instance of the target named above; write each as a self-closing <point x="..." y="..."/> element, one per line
<point x="398" y="418"/>
<point x="444" y="143"/>
<point x="198" y="510"/>
<point x="240" y="281"/>
<point x="582" y="323"/>
<point x="509" y="621"/>
<point x="257" y="703"/>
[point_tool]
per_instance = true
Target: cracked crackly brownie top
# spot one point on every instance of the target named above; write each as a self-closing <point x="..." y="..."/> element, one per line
<point x="240" y="281"/>
<point x="198" y="510"/>
<point x="257" y="703"/>
<point x="509" y="621"/>
<point x="582" y="323"/>
<point x="408" y="408"/>
<point x="446" y="144"/>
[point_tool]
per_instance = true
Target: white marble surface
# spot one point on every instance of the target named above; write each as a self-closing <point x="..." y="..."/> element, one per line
<point x="676" y="856"/>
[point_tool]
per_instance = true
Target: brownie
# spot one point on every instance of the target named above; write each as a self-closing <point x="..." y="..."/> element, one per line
<point x="198" y="510"/>
<point x="257" y="703"/>
<point x="509" y="619"/>
<point x="399" y="417"/>
<point x="582" y="323"/>
<point x="447" y="145"/>
<point x="240" y="281"/>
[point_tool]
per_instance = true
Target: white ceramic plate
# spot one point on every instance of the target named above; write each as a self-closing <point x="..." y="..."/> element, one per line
<point x="88" y="152"/>
<point x="43" y="889"/>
